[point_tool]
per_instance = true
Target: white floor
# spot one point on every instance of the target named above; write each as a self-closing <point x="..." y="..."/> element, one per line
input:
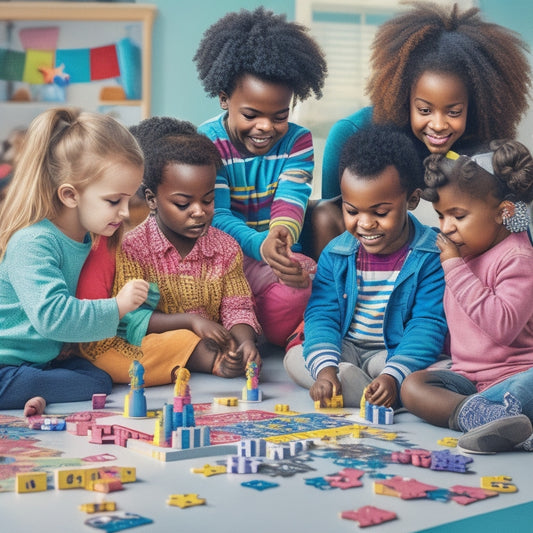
<point x="293" y="506"/>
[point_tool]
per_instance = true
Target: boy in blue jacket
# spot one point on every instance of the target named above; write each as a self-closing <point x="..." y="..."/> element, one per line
<point x="375" y="314"/>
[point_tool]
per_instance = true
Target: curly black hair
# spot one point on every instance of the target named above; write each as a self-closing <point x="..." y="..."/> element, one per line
<point x="370" y="150"/>
<point x="490" y="59"/>
<point x="511" y="177"/>
<point x="166" y="140"/>
<point x="262" y="44"/>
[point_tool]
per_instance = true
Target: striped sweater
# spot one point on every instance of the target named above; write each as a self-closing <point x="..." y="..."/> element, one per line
<point x="256" y="193"/>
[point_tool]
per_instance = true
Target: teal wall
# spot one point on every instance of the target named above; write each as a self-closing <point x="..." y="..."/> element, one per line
<point x="178" y="29"/>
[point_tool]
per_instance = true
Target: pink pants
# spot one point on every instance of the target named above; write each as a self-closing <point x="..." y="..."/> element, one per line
<point x="279" y="308"/>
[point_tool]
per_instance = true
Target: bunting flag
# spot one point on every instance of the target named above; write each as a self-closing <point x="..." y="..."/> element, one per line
<point x="82" y="65"/>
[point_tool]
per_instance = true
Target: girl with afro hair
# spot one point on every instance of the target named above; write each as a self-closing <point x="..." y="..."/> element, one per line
<point x="259" y="65"/>
<point x="446" y="77"/>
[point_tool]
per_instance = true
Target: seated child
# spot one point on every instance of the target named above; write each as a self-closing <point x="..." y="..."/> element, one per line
<point x="375" y="313"/>
<point x="258" y="65"/>
<point x="202" y="315"/>
<point x="74" y="178"/>
<point x="486" y="255"/>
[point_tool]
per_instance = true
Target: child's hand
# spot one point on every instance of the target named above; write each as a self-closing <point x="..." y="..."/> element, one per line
<point x="208" y="329"/>
<point x="382" y="391"/>
<point x="248" y="350"/>
<point x="326" y="385"/>
<point x="447" y="248"/>
<point x="131" y="296"/>
<point x="276" y="251"/>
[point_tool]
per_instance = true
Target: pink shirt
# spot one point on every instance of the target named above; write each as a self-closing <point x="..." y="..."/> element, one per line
<point x="489" y="309"/>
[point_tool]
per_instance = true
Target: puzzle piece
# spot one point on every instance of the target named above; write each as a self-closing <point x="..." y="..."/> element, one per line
<point x="404" y="488"/>
<point x="185" y="500"/>
<point x="319" y="482"/>
<point x="444" y="460"/>
<point x="369" y="516"/>
<point x="259" y="484"/>
<point x="466" y="495"/>
<point x="117" y="522"/>
<point x="347" y="478"/>
<point x="210" y="470"/>
<point x="498" y="483"/>
<point x="451" y="442"/>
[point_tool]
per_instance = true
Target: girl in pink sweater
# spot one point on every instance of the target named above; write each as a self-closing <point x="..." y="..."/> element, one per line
<point x="487" y="257"/>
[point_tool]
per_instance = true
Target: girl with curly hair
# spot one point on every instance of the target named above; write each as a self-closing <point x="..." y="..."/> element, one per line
<point x="259" y="65"/>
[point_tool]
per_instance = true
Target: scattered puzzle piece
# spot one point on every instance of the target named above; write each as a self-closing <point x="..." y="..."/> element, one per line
<point x="444" y="460"/>
<point x="498" y="483"/>
<point x="117" y="522"/>
<point x="347" y="478"/>
<point x="404" y="488"/>
<point x="185" y="500"/>
<point x="451" y="442"/>
<point x="369" y="516"/>
<point x="466" y="495"/>
<point x="210" y="470"/>
<point x="259" y="484"/>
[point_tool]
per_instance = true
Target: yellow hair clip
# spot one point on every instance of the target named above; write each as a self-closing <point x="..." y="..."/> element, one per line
<point x="452" y="155"/>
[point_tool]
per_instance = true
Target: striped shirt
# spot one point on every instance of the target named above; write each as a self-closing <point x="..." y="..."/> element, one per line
<point x="376" y="276"/>
<point x="254" y="194"/>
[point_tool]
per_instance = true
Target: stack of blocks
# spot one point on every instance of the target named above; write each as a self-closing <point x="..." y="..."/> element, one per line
<point x="175" y="426"/>
<point x="377" y="414"/>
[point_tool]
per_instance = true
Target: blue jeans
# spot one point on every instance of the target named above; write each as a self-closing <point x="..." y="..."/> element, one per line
<point x="520" y="385"/>
<point x="69" y="380"/>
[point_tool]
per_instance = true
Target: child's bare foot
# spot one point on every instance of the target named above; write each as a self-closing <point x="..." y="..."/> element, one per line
<point x="228" y="365"/>
<point x="34" y="406"/>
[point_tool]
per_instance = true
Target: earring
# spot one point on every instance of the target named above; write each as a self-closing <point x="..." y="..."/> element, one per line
<point x="517" y="221"/>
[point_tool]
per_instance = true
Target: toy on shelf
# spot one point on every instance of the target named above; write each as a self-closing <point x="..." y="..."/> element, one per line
<point x="377" y="414"/>
<point x="135" y="401"/>
<point x="251" y="392"/>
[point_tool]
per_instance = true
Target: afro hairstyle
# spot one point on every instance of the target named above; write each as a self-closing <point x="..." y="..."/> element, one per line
<point x="265" y="45"/>
<point x="368" y="152"/>
<point x="490" y="60"/>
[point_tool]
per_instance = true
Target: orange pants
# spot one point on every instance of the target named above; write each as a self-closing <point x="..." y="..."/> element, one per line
<point x="159" y="353"/>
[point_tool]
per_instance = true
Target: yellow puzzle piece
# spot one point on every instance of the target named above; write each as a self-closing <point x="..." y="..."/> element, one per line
<point x="185" y="500"/>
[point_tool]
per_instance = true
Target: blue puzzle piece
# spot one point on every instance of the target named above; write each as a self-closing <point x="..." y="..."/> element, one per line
<point x="259" y="484"/>
<point x="319" y="483"/>
<point x="117" y="521"/>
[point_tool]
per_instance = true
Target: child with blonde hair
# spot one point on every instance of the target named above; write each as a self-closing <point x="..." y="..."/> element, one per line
<point x="199" y="315"/>
<point x="486" y="254"/>
<point x="75" y="176"/>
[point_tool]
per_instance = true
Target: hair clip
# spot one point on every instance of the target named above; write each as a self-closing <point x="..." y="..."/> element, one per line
<point x="452" y="155"/>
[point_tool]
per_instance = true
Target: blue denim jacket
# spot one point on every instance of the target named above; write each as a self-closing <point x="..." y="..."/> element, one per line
<point x="414" y="323"/>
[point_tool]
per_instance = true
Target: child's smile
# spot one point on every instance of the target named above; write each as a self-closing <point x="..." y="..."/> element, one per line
<point x="375" y="210"/>
<point x="258" y="114"/>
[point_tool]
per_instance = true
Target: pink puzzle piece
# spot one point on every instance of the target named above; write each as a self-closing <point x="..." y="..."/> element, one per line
<point x="369" y="516"/>
<point x="346" y="478"/>
<point x="405" y="488"/>
<point x="466" y="495"/>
